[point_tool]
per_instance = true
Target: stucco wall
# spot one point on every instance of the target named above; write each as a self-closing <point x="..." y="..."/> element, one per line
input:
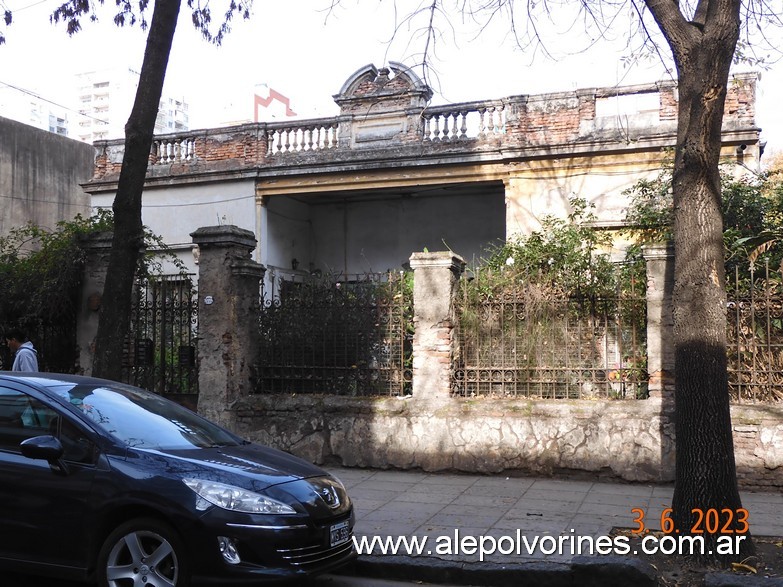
<point x="173" y="212"/>
<point x="628" y="440"/>
<point x="40" y="173"/>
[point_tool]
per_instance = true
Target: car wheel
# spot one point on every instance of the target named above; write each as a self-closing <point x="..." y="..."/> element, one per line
<point x="143" y="552"/>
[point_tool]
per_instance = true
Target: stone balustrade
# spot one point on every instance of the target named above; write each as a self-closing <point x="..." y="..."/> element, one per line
<point x="387" y="128"/>
<point x="177" y="149"/>
<point x="308" y="135"/>
<point x="473" y="120"/>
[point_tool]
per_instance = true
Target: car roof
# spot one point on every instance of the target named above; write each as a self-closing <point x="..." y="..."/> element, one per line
<point x="49" y="379"/>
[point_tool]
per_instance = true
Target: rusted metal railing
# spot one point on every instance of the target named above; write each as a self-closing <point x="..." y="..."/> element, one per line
<point x="525" y="345"/>
<point x="337" y="335"/>
<point x="755" y="337"/>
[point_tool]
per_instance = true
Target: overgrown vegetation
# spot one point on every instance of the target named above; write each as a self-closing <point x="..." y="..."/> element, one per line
<point x="40" y="270"/>
<point x="563" y="272"/>
<point x="752" y="217"/>
<point x="550" y="315"/>
<point x="565" y="258"/>
<point x="41" y="273"/>
<point x="753" y="241"/>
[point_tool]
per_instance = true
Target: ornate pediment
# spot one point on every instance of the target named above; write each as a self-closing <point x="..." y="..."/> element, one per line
<point x="392" y="88"/>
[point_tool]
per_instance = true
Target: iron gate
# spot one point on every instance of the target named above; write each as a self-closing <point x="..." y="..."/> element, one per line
<point x="160" y="352"/>
<point x="337" y="335"/>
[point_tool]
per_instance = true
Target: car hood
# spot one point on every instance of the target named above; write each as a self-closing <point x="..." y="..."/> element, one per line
<point x="260" y="465"/>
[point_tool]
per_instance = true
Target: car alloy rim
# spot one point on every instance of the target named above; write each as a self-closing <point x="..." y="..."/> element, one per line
<point x="142" y="558"/>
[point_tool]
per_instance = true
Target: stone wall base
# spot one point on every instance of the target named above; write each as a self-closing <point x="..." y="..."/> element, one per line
<point x="629" y="441"/>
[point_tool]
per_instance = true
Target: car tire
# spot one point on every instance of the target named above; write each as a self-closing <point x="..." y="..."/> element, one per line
<point x="143" y="551"/>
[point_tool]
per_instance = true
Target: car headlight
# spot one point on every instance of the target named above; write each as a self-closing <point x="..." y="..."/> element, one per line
<point x="236" y="499"/>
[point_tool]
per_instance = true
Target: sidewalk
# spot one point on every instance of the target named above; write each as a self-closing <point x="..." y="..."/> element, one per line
<point x="435" y="505"/>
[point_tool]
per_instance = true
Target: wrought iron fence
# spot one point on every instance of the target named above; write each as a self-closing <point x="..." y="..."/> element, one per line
<point x="755" y="337"/>
<point x="527" y="343"/>
<point x="339" y="335"/>
<point x="160" y="352"/>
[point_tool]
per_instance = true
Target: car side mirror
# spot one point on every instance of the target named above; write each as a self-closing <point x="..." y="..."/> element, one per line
<point x="46" y="448"/>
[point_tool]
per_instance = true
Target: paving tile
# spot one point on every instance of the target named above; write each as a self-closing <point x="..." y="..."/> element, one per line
<point x="499" y="491"/>
<point x="416" y="495"/>
<point x="563" y="494"/>
<point x="621" y="501"/>
<point x="586" y="524"/>
<point x="471" y="510"/>
<point x="433" y="532"/>
<point x="403" y="476"/>
<point x="607" y="510"/>
<point x="562" y="485"/>
<point x="486" y="500"/>
<point x="380" y="528"/>
<point x="387" y="515"/>
<point x="759" y="497"/>
<point x="365" y="505"/>
<point x="384" y="495"/>
<point x="493" y="480"/>
<point x="414" y="508"/>
<point x="351" y="473"/>
<point x="766" y="530"/>
<point x="622" y="489"/>
<point x="663" y="491"/>
<point x="527" y="506"/>
<point x="447" y="491"/>
<point x="450" y="479"/>
<point x="534" y="523"/>
<point x="485" y="520"/>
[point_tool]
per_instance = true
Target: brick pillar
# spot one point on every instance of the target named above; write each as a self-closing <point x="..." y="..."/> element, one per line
<point x="98" y="249"/>
<point x="435" y="279"/>
<point x="228" y="305"/>
<point x="660" y="319"/>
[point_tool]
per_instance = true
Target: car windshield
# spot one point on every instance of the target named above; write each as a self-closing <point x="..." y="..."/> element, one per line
<point x="142" y="419"/>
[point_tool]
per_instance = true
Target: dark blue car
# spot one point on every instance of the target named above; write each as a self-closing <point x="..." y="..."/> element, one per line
<point x="110" y="483"/>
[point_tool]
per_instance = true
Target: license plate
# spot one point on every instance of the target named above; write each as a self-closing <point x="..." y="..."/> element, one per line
<point x="339" y="533"/>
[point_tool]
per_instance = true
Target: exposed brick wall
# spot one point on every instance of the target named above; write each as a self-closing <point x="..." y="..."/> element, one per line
<point x="532" y="121"/>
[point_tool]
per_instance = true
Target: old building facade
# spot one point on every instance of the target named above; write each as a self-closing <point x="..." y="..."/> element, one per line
<point x="391" y="174"/>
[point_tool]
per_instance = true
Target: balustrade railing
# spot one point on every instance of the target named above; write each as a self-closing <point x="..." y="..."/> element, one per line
<point x="173" y="150"/>
<point x="454" y="122"/>
<point x="474" y="120"/>
<point x="305" y="136"/>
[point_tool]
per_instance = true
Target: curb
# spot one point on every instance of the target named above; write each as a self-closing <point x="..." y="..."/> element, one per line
<point x="581" y="572"/>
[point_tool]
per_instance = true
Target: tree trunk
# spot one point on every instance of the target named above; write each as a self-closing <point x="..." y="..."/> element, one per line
<point x="705" y="469"/>
<point x="128" y="241"/>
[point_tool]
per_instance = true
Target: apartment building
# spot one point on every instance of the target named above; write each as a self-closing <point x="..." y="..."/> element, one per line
<point x="105" y="99"/>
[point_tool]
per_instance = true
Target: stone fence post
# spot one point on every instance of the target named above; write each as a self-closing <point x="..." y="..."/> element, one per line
<point x="435" y="278"/>
<point x="660" y="319"/>
<point x="229" y="296"/>
<point x="98" y="249"/>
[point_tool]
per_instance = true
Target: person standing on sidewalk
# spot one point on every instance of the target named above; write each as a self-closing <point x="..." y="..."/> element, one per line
<point x="26" y="358"/>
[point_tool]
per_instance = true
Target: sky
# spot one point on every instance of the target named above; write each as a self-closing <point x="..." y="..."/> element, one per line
<point x="307" y="53"/>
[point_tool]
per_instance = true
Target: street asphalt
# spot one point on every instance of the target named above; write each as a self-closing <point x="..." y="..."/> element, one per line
<point x="508" y="519"/>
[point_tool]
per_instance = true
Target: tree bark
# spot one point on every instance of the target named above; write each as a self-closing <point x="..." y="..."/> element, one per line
<point x="706" y="477"/>
<point x="128" y="240"/>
